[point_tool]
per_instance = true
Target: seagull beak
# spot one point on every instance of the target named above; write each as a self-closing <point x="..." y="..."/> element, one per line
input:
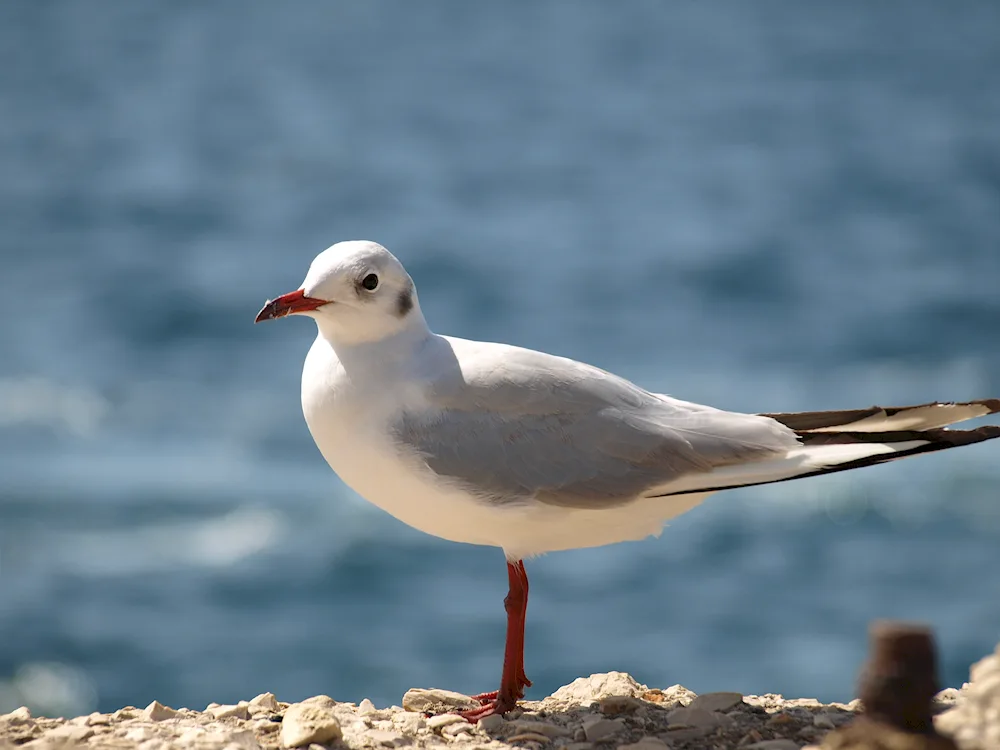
<point x="289" y="304"/>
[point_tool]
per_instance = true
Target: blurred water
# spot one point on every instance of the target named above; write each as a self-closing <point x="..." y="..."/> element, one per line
<point x="762" y="206"/>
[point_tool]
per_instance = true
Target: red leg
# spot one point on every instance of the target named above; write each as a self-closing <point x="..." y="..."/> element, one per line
<point x="512" y="679"/>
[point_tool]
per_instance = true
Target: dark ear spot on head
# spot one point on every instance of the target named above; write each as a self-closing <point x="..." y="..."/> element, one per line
<point x="404" y="302"/>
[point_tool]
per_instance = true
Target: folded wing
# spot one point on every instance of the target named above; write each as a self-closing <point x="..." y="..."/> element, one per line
<point x="511" y="425"/>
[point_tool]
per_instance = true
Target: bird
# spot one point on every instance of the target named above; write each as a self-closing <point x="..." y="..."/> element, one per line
<point x="492" y="444"/>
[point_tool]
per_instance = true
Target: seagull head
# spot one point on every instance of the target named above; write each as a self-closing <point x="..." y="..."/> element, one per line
<point x="356" y="291"/>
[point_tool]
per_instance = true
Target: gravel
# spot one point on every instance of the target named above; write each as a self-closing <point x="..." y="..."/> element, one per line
<point x="600" y="712"/>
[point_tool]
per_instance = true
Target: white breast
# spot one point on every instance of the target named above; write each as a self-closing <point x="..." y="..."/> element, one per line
<point x="348" y="421"/>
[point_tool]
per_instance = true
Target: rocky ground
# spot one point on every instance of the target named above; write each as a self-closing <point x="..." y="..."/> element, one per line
<point x="599" y="712"/>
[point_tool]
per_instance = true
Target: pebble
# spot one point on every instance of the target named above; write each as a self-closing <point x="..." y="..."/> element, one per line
<point x="385" y="737"/>
<point x="436" y="723"/>
<point x="156" y="711"/>
<point x="71" y="734"/>
<point x="409" y="723"/>
<point x="21" y="714"/>
<point x="686" y="733"/>
<point x="491" y="723"/>
<point x="948" y="696"/>
<point x="697" y="717"/>
<point x="598" y="728"/>
<point x="528" y="737"/>
<point x="543" y="728"/>
<point x="823" y="721"/>
<point x="243" y="738"/>
<point x="239" y="711"/>
<point x="306" y="723"/>
<point x="366" y="707"/>
<point x="750" y="737"/>
<point x="433" y="699"/>
<point x="679" y="694"/>
<point x="622" y="704"/>
<point x="716" y="701"/>
<point x="225" y="741"/>
<point x="780" y="719"/>
<point x="138" y="734"/>
<point x="454" y="730"/>
<point x="263" y="702"/>
<point x="589" y="690"/>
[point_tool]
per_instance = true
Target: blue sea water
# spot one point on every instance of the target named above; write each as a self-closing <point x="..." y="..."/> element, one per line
<point x="764" y="206"/>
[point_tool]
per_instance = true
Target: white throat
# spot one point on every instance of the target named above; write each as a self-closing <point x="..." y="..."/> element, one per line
<point x="346" y="326"/>
<point x="389" y="351"/>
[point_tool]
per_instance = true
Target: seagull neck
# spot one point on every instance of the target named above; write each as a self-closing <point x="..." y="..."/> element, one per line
<point x="396" y="347"/>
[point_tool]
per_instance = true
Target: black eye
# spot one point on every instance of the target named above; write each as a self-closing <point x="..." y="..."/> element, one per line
<point x="370" y="282"/>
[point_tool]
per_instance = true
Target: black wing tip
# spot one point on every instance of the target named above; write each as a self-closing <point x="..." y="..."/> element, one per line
<point x="963" y="437"/>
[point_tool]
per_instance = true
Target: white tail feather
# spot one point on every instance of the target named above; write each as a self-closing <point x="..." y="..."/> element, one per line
<point x="807" y="459"/>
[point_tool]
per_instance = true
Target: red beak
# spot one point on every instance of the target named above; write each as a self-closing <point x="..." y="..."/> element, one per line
<point x="289" y="304"/>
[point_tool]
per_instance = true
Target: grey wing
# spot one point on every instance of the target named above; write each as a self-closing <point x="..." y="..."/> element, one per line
<point x="528" y="426"/>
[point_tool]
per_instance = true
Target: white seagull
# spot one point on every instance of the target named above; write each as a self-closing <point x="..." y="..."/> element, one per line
<point x="491" y="444"/>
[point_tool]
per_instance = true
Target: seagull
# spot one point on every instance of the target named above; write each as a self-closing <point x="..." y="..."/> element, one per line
<point x="491" y="444"/>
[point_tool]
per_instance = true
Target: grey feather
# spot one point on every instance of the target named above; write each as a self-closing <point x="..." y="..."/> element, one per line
<point x="516" y="425"/>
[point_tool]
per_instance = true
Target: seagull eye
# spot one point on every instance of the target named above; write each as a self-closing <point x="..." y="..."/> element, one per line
<point x="370" y="282"/>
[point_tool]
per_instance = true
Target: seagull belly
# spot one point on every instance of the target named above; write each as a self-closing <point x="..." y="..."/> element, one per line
<point x="412" y="493"/>
<point x="370" y="466"/>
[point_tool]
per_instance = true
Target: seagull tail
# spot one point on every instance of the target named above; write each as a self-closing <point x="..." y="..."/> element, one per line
<point x="888" y="418"/>
<point x="834" y="441"/>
